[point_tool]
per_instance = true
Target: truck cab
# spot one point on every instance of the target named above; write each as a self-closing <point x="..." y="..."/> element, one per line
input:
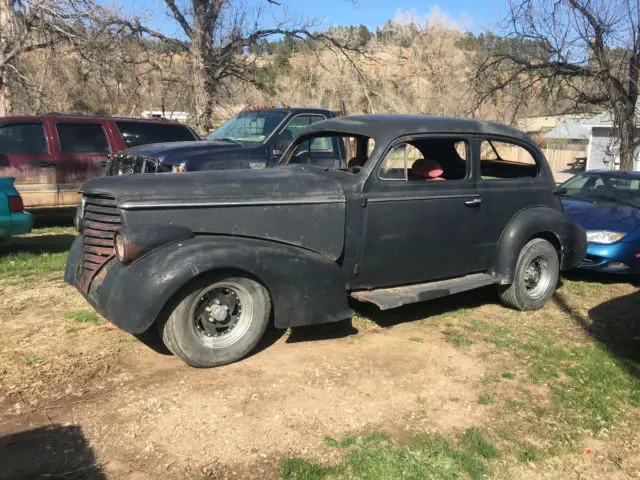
<point x="255" y="138"/>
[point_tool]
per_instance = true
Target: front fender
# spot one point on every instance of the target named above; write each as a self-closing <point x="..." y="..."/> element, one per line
<point x="305" y="287"/>
<point x="541" y="222"/>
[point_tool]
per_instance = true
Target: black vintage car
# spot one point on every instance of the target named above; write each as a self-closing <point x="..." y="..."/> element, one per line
<point x="255" y="138"/>
<point x="426" y="207"/>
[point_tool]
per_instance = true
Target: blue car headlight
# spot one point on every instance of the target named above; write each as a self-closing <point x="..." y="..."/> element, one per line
<point x="604" y="236"/>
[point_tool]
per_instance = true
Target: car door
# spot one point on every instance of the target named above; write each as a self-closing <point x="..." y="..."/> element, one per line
<point x="83" y="150"/>
<point x="26" y="153"/>
<point x="512" y="176"/>
<point x="419" y="229"/>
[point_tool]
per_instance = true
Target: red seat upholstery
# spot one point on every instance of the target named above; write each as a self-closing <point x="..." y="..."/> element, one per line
<point x="356" y="162"/>
<point x="427" y="169"/>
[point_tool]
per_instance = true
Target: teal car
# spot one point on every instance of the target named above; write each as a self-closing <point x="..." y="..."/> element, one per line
<point x="13" y="219"/>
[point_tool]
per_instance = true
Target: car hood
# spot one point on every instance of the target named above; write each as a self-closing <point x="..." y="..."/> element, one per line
<point x="603" y="215"/>
<point x="297" y="205"/>
<point x="291" y="182"/>
<point x="175" y="152"/>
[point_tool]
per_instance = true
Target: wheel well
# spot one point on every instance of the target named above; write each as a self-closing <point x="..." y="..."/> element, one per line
<point x="553" y="239"/>
<point x="173" y="301"/>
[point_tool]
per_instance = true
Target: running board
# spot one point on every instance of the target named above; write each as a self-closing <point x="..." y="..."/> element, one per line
<point x="386" y="298"/>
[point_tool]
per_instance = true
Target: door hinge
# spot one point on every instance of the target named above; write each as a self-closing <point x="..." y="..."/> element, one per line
<point x="356" y="270"/>
<point x="364" y="202"/>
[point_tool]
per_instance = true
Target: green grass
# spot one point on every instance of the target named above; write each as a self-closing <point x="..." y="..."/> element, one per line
<point x="27" y="264"/>
<point x="416" y="339"/>
<point x="32" y="360"/>
<point x="379" y="457"/>
<point x="484" y="399"/>
<point x="457" y="338"/>
<point x="42" y="253"/>
<point x="83" y="316"/>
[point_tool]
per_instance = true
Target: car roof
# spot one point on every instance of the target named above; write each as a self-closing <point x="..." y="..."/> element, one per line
<point x="389" y="125"/>
<point x="64" y="116"/>
<point x="294" y="110"/>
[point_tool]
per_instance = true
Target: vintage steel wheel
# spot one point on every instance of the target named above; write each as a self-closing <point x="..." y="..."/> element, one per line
<point x="535" y="277"/>
<point x="222" y="314"/>
<point x="219" y="320"/>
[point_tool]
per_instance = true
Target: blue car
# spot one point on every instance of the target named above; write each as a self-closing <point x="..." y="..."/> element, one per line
<point x="13" y="220"/>
<point x="607" y="205"/>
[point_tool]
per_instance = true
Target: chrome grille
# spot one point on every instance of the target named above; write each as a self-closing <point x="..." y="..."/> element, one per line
<point x="100" y="221"/>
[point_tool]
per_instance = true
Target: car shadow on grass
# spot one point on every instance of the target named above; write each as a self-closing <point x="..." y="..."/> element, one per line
<point x="396" y="316"/>
<point x="37" y="245"/>
<point x="448" y="305"/>
<point x="54" y="451"/>
<point x="615" y="324"/>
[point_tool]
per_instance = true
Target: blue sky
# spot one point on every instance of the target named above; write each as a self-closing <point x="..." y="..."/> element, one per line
<point x="475" y="15"/>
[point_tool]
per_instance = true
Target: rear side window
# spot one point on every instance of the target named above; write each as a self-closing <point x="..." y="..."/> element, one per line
<point x="135" y="134"/>
<point x="23" y="139"/>
<point x="504" y="160"/>
<point x="82" y="138"/>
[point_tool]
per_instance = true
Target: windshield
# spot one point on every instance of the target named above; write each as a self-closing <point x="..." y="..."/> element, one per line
<point x="251" y="126"/>
<point x="605" y="187"/>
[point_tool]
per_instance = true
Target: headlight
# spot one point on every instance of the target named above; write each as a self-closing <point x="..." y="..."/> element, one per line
<point x="604" y="236"/>
<point x="178" y="168"/>
<point x="121" y="247"/>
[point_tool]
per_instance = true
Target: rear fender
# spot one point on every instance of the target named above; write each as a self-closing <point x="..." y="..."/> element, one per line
<point x="542" y="222"/>
<point x="305" y="287"/>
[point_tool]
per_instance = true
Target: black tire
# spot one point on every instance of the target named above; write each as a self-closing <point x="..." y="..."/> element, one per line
<point x="535" y="278"/>
<point x="192" y="333"/>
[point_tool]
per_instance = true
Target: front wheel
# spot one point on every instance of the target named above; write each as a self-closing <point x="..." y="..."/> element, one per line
<point x="219" y="322"/>
<point x="535" y="278"/>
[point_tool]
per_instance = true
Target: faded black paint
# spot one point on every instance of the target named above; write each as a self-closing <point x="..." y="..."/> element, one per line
<point x="314" y="235"/>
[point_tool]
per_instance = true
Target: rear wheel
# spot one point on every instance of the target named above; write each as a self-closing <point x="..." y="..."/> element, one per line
<point x="219" y="322"/>
<point x="535" y="278"/>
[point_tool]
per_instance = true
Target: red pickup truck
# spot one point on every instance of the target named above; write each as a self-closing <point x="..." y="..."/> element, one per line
<point x="52" y="155"/>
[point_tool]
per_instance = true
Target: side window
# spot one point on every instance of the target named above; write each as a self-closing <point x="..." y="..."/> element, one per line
<point x="328" y="152"/>
<point x="293" y="129"/>
<point x="426" y="159"/>
<point x="139" y="133"/>
<point x="82" y="138"/>
<point x="23" y="139"/>
<point x="504" y="160"/>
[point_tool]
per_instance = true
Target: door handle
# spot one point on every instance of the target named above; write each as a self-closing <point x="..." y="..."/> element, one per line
<point x="45" y="164"/>
<point x="103" y="163"/>
<point x="474" y="202"/>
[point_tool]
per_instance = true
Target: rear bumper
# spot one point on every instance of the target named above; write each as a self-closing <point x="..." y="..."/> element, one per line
<point x="16" y="224"/>
<point x="615" y="258"/>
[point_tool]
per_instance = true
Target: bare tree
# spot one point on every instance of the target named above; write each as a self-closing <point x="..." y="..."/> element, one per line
<point x="31" y="25"/>
<point x="218" y="33"/>
<point x="583" y="51"/>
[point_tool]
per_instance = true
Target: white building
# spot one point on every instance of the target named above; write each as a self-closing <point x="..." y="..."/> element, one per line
<point x="602" y="151"/>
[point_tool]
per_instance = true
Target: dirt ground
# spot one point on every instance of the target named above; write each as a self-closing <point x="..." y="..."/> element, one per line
<point x="126" y="411"/>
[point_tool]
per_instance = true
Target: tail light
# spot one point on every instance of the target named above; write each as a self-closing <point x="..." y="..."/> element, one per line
<point x="15" y="204"/>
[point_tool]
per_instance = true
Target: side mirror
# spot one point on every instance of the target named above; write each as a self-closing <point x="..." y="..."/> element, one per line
<point x="560" y="191"/>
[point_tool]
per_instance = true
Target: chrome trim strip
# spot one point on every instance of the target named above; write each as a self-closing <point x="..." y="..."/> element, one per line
<point x="236" y="203"/>
<point x="422" y="197"/>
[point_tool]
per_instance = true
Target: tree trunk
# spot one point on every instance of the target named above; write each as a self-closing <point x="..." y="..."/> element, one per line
<point x="5" y="94"/>
<point x="201" y="61"/>
<point x="624" y="120"/>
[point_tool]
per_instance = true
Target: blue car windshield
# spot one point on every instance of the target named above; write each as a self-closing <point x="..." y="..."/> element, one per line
<point x="253" y="126"/>
<point x="605" y="187"/>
